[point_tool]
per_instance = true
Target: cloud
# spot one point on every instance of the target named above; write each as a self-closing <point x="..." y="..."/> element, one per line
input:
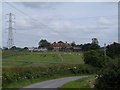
<point x="104" y="21"/>
<point x="23" y="23"/>
<point x="42" y="5"/>
<point x="64" y="27"/>
<point x="63" y="22"/>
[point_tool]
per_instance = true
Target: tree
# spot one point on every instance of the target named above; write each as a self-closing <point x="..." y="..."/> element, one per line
<point x="95" y="41"/>
<point x="95" y="58"/>
<point x="73" y="44"/>
<point x="13" y="48"/>
<point x="60" y="42"/>
<point x="5" y="48"/>
<point x="25" y="48"/>
<point x="44" y="44"/>
<point x="109" y="76"/>
<point x="113" y="50"/>
<point x="89" y="46"/>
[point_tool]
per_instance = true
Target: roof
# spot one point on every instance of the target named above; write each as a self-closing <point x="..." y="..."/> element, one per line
<point x="61" y="45"/>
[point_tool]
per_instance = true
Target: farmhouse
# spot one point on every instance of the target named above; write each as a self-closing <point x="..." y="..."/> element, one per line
<point x="61" y="46"/>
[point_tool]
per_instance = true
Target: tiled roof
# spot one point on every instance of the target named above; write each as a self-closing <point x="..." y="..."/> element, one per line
<point x="60" y="45"/>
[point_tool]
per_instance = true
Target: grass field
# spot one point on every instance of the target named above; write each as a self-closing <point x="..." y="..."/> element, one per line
<point x="15" y="59"/>
<point x="81" y="83"/>
<point x="24" y="68"/>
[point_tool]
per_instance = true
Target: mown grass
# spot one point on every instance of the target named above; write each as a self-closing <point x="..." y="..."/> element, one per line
<point x="81" y="83"/>
<point x="16" y="59"/>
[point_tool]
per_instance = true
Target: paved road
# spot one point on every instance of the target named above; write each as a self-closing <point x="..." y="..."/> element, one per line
<point x="54" y="83"/>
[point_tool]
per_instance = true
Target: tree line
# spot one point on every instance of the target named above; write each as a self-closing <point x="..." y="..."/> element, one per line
<point x="109" y="66"/>
<point x="43" y="43"/>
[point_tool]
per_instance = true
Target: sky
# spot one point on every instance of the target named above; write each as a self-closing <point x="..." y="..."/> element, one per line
<point x="61" y="21"/>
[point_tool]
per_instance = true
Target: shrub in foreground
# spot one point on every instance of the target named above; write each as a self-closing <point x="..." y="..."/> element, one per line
<point x="109" y="77"/>
<point x="95" y="58"/>
<point x="11" y="75"/>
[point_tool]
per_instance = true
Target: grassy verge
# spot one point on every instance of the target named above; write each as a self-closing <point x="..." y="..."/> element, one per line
<point x="81" y="83"/>
<point x="21" y="84"/>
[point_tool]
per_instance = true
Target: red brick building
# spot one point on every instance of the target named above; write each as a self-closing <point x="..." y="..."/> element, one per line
<point x="57" y="46"/>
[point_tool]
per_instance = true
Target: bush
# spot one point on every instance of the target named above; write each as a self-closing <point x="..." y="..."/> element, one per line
<point x="11" y="75"/>
<point x="109" y="76"/>
<point x="89" y="46"/>
<point x="95" y="58"/>
<point x="113" y="50"/>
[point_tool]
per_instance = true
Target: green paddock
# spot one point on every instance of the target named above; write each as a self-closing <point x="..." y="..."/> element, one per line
<point x="22" y="59"/>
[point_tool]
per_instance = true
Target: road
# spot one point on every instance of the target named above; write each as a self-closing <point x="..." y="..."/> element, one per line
<point x="55" y="83"/>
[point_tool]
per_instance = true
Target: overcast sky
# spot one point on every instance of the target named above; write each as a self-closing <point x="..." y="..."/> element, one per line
<point x="79" y="22"/>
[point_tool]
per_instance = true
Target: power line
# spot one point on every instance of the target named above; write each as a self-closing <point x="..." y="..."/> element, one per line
<point x="29" y="16"/>
<point x="79" y="17"/>
<point x="60" y="18"/>
<point x="46" y="26"/>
